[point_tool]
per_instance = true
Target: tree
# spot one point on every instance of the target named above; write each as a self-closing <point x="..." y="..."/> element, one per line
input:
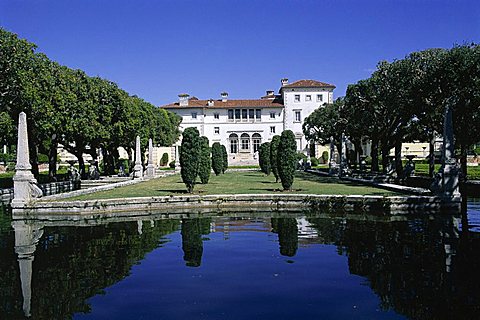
<point x="189" y="156"/>
<point x="287" y="162"/>
<point x="264" y="158"/>
<point x="274" y="156"/>
<point x="217" y="158"/>
<point x="204" y="161"/>
<point x="225" y="159"/>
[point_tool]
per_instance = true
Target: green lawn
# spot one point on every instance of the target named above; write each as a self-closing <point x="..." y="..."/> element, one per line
<point x="240" y="182"/>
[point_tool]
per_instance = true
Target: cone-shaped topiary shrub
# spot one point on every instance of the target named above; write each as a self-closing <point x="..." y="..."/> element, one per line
<point x="204" y="162"/>
<point x="225" y="159"/>
<point x="274" y="156"/>
<point x="189" y="156"/>
<point x="264" y="157"/>
<point x="217" y="158"/>
<point x="287" y="158"/>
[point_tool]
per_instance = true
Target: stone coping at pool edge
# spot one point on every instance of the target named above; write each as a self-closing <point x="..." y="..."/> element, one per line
<point x="392" y="205"/>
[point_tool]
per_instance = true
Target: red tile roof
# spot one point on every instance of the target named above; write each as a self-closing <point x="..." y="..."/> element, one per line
<point x="309" y="84"/>
<point x="265" y="103"/>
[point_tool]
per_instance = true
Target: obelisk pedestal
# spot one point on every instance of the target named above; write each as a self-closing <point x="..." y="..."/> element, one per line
<point x="138" y="169"/>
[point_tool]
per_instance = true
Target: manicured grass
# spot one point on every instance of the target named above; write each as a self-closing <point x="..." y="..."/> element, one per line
<point x="421" y="169"/>
<point x="239" y="182"/>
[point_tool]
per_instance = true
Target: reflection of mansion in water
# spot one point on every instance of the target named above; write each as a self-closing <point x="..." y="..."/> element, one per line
<point x="242" y="125"/>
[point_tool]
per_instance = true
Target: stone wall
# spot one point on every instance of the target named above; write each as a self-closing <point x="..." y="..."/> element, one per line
<point x="6" y="195"/>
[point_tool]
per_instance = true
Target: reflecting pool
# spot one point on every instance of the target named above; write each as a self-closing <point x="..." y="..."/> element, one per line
<point x="241" y="266"/>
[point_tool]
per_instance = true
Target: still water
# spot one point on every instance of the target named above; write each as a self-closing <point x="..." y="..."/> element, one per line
<point x="242" y="266"/>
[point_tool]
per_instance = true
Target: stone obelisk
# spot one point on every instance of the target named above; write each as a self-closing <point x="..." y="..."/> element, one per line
<point x="150" y="166"/>
<point x="138" y="169"/>
<point x="332" y="163"/>
<point x="24" y="184"/>
<point x="343" y="157"/>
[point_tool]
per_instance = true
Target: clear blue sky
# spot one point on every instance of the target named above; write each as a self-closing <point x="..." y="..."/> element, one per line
<point x="158" y="49"/>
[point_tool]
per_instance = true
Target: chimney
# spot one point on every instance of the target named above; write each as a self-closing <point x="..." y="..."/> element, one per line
<point x="183" y="99"/>
<point x="269" y="92"/>
<point x="284" y="81"/>
<point x="224" y="96"/>
<point x="210" y="103"/>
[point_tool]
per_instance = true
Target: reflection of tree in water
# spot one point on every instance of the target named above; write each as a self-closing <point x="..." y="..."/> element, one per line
<point x="192" y="246"/>
<point x="418" y="267"/>
<point x="74" y="264"/>
<point x="287" y="231"/>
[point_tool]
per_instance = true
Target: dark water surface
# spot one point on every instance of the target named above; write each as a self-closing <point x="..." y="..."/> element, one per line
<point x="250" y="266"/>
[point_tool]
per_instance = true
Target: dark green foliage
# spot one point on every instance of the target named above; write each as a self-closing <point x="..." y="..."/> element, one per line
<point x="288" y="159"/>
<point x="68" y="107"/>
<point x="204" y="162"/>
<point x="164" y="159"/>
<point x="314" y="161"/>
<point x="325" y="156"/>
<point x="225" y="159"/>
<point x="264" y="158"/>
<point x="189" y="157"/>
<point x="274" y="156"/>
<point x="172" y="164"/>
<point x="217" y="158"/>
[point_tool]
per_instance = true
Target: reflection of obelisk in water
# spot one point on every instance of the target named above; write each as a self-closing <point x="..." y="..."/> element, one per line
<point x="140" y="227"/>
<point x="26" y="238"/>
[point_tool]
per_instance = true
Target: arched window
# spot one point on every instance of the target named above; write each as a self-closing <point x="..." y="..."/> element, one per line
<point x="233" y="143"/>
<point x="257" y="140"/>
<point x="245" y="142"/>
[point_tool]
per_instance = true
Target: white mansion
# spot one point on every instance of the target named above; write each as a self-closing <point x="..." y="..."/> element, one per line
<point x="242" y="125"/>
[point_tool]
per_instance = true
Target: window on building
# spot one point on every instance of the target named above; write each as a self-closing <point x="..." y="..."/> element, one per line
<point x="272" y="115"/>
<point x="194" y="115"/>
<point x="251" y="114"/>
<point x="216" y="130"/>
<point x="258" y="114"/>
<point x="244" y="114"/>
<point x="308" y="97"/>
<point x="237" y="114"/>
<point x="245" y="142"/>
<point x="216" y="115"/>
<point x="297" y="98"/>
<point x="257" y="140"/>
<point x="319" y="98"/>
<point x="233" y="143"/>
<point x="298" y="116"/>
<point x="272" y="129"/>
<point x="230" y="114"/>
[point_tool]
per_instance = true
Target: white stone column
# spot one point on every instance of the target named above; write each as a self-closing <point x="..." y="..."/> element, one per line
<point x="150" y="166"/>
<point x="343" y="157"/>
<point x="138" y="169"/>
<point x="332" y="163"/>
<point x="24" y="184"/>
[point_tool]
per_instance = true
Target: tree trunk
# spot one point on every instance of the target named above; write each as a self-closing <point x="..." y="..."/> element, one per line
<point x="463" y="168"/>
<point x="52" y="161"/>
<point x="398" y="157"/>
<point x="431" y="159"/>
<point x="374" y="155"/>
<point x="385" y="152"/>
<point x="34" y="161"/>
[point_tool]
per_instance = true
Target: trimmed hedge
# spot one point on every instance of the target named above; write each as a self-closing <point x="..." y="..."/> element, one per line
<point x="225" y="159"/>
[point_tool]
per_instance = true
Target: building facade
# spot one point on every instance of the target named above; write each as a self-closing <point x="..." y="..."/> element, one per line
<point x="242" y="125"/>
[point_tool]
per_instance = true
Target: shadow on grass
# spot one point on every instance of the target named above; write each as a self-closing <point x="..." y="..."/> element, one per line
<point x="172" y="191"/>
